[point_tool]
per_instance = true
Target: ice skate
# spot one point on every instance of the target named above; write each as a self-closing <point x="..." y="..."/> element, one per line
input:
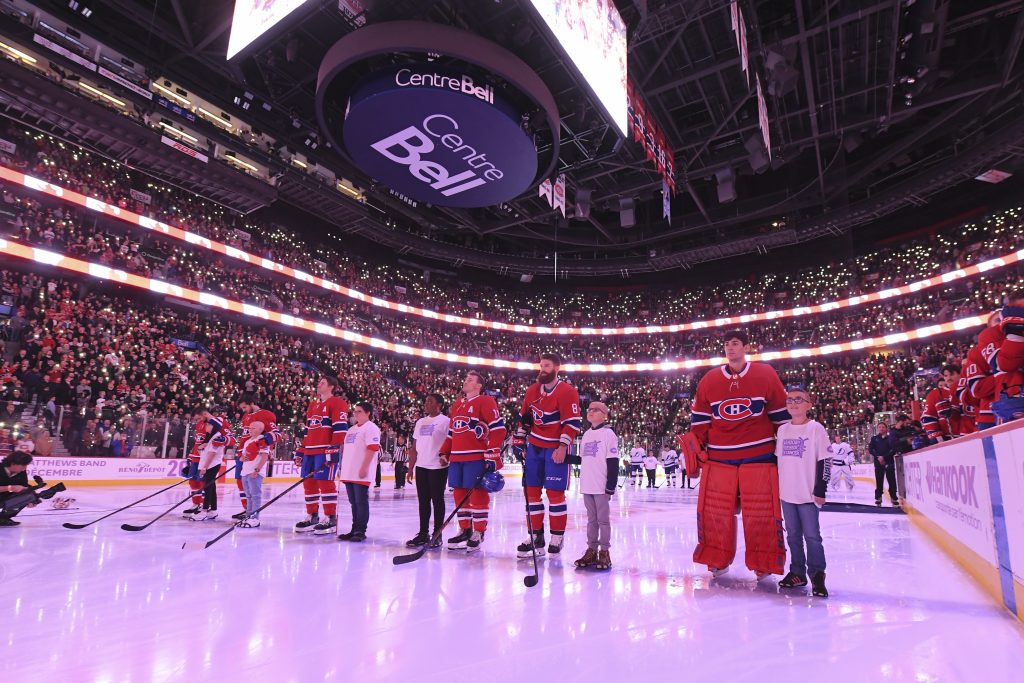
<point x="307" y="524"/>
<point x="328" y="526"/>
<point x="526" y="549"/>
<point x="459" y="541"/>
<point x="475" y="542"/>
<point x="555" y="547"/>
<point x="204" y="516"/>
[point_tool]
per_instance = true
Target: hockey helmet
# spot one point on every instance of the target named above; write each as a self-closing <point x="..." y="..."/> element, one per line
<point x="492" y="482"/>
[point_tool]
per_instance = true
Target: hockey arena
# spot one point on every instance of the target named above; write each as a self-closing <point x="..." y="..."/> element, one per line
<point x="572" y="339"/>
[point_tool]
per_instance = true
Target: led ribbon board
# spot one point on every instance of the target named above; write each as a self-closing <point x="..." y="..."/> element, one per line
<point x="258" y="314"/>
<point x="72" y="197"/>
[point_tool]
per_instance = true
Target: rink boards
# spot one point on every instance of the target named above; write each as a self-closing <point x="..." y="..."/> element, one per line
<point x="968" y="496"/>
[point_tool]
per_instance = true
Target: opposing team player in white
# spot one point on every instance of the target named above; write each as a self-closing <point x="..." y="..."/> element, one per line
<point x="670" y="461"/>
<point x="842" y="464"/>
<point x="636" y="464"/>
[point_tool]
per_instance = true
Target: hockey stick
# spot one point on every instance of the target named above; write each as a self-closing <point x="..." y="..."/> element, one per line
<point x="193" y="545"/>
<point x="530" y="581"/>
<point x="213" y="482"/>
<point x="70" y="525"/>
<point x="412" y="557"/>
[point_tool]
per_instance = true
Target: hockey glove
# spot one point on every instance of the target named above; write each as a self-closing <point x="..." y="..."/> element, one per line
<point x="489" y="465"/>
<point x="1013" y="320"/>
<point x="519" y="448"/>
<point x="268" y="439"/>
<point x="297" y="459"/>
<point x="694" y="454"/>
<point x="333" y="454"/>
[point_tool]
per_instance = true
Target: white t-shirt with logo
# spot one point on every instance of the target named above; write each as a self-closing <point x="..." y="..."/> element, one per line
<point x="799" y="448"/>
<point x="597" y="447"/>
<point x="650" y="463"/>
<point x="430" y="433"/>
<point x="357" y="440"/>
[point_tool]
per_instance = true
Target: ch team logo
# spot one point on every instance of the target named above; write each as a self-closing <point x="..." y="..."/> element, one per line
<point x="538" y="414"/>
<point x="459" y="425"/>
<point x="735" y="409"/>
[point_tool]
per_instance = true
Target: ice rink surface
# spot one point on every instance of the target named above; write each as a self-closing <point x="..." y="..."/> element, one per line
<point x="102" y="604"/>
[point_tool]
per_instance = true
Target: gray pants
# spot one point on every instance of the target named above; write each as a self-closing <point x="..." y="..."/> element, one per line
<point x="599" y="525"/>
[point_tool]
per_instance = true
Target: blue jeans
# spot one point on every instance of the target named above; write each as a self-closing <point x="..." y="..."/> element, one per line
<point x="252" y="484"/>
<point x="802" y="525"/>
<point x="359" y="498"/>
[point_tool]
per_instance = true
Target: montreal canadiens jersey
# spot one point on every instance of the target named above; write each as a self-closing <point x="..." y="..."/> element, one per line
<point x="556" y="414"/>
<point x="937" y="414"/>
<point x="200" y="431"/>
<point x="326" y="425"/>
<point x="475" y="428"/>
<point x="967" y="404"/>
<point x="736" y="414"/>
<point x="981" y="366"/>
<point x="269" y="421"/>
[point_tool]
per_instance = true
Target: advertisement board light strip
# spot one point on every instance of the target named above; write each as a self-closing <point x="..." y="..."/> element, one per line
<point x="50" y="258"/>
<point x="114" y="211"/>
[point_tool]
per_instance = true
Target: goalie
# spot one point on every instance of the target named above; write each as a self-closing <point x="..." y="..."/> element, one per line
<point x="738" y="408"/>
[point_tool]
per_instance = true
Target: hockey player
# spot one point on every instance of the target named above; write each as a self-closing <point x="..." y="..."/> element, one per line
<point x="737" y="409"/>
<point x="190" y="470"/>
<point x="966" y="405"/>
<point x="211" y="459"/>
<point x="842" y="464"/>
<point x="670" y="461"/>
<point x="326" y="425"/>
<point x="251" y="412"/>
<point x="982" y="363"/>
<point x="938" y="419"/>
<point x="636" y="464"/>
<point x="551" y="410"/>
<point x="1009" y="360"/>
<point x="476" y="432"/>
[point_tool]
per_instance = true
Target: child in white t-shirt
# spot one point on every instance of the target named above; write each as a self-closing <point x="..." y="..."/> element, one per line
<point x="804" y="453"/>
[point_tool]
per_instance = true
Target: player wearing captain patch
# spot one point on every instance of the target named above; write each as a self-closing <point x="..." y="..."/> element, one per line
<point x="251" y="412"/>
<point x="326" y="425"/>
<point x="552" y="409"/>
<point x="670" y="461"/>
<point x="476" y="432"/>
<point x="737" y="409"/>
<point x="636" y="464"/>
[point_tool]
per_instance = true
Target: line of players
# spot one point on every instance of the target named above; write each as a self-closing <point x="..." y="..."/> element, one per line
<point x="737" y="410"/>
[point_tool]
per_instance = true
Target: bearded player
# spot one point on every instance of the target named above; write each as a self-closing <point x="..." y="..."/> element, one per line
<point x="736" y="412"/>
<point x="326" y="426"/>
<point x="549" y="422"/>
<point x="473" y="446"/>
<point x="251" y="412"/>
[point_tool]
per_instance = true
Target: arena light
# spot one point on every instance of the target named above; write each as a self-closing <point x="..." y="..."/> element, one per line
<point x="15" y="52"/>
<point x="54" y="259"/>
<point x="173" y="95"/>
<point x="114" y="211"/>
<point x="99" y="93"/>
<point x="213" y="118"/>
<point x="177" y="133"/>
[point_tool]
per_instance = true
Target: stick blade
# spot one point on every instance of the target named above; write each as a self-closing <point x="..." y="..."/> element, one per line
<point x="406" y="559"/>
<point x="69" y="525"/>
<point x="194" y="545"/>
<point x="530" y="581"/>
<point x="132" y="527"/>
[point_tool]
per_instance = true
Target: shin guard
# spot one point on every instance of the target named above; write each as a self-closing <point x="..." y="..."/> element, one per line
<point x="329" y="496"/>
<point x="716" y="515"/>
<point x="241" y="493"/>
<point x="536" y="507"/>
<point x="480" y="501"/>
<point x="465" y="514"/>
<point x="312" y="491"/>
<point x="557" y="511"/>
<point x="197" y="491"/>
<point x="762" y="517"/>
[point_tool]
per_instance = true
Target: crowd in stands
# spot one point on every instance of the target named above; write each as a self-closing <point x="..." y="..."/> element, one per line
<point x="129" y="372"/>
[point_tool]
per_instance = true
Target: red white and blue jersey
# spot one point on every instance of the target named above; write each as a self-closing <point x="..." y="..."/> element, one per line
<point x="937" y="417"/>
<point x="980" y="371"/>
<point x="556" y="414"/>
<point x="200" y="427"/>
<point x="222" y="438"/>
<point x="966" y="405"/>
<point x="737" y="414"/>
<point x="475" y="430"/>
<point x="270" y="428"/>
<point x="326" y="425"/>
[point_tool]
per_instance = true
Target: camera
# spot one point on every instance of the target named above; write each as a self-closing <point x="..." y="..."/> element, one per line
<point x="15" y="502"/>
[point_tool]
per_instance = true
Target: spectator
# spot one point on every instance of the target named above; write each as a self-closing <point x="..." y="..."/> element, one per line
<point x="883" y="449"/>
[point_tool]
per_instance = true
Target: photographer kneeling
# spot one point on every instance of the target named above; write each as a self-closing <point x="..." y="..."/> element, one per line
<point x="13" y="480"/>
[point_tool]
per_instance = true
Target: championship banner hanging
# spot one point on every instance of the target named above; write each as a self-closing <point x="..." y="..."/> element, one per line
<point x="648" y="133"/>
<point x="559" y="199"/>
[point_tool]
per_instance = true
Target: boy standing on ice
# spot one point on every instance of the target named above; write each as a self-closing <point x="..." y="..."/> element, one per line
<point x="804" y="454"/>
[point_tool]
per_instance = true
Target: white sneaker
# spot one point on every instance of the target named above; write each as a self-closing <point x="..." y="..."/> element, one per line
<point x="204" y="516"/>
<point x="249" y="523"/>
<point x="715" y="573"/>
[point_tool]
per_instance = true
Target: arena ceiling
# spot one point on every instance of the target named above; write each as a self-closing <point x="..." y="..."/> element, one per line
<point x="874" y="107"/>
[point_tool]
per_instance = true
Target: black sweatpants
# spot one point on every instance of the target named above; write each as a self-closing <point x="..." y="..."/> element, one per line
<point x="401" y="470"/>
<point x="650" y="476"/>
<point x="883" y="474"/>
<point x="430" y="486"/>
<point x="210" y="488"/>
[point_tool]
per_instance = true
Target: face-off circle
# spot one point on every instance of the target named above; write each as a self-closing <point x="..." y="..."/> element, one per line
<point x="450" y="131"/>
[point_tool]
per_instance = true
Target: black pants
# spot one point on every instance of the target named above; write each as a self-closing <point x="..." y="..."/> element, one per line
<point x="210" y="488"/>
<point x="401" y="469"/>
<point x="650" y="477"/>
<point x="376" y="480"/>
<point x="430" y="486"/>
<point x="883" y="473"/>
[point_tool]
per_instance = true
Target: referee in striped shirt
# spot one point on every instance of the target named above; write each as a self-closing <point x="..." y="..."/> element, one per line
<point x="401" y="460"/>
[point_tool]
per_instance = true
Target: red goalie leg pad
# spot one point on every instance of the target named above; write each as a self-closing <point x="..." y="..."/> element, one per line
<point x="197" y="488"/>
<point x="312" y="491"/>
<point x="762" y="517"/>
<point x="329" y="496"/>
<point x="480" y="501"/>
<point x="536" y="507"/>
<point x="716" y="515"/>
<point x="558" y="511"/>
<point x="241" y="492"/>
